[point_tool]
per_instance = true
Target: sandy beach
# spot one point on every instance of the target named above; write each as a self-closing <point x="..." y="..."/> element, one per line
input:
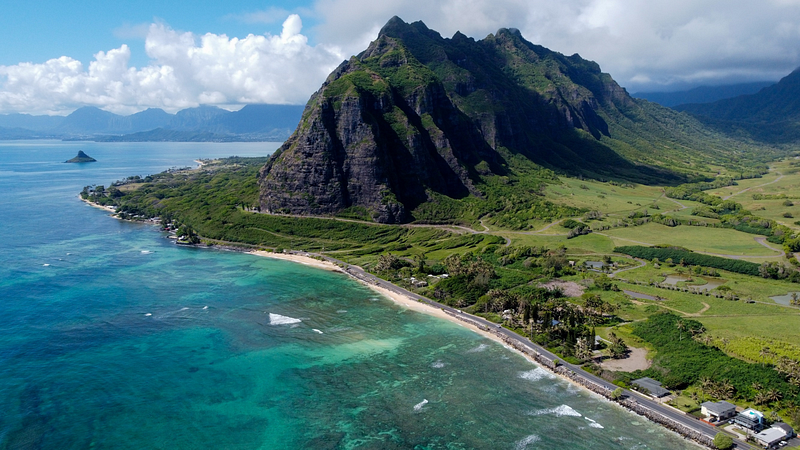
<point x="399" y="299"/>
<point x="425" y="308"/>
<point x="90" y="203"/>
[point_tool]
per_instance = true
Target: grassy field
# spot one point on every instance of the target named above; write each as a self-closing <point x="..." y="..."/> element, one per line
<point x="758" y="289"/>
<point x="747" y="337"/>
<point x="604" y="197"/>
<point x="718" y="241"/>
<point x="784" y="178"/>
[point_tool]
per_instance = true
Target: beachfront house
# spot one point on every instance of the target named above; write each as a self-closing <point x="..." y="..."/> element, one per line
<point x="650" y="386"/>
<point x="785" y="427"/>
<point x="771" y="437"/>
<point x="717" y="411"/>
<point x="750" y="419"/>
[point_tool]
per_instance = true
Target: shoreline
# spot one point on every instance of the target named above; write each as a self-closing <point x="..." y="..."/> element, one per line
<point x="95" y="205"/>
<point x="397" y="298"/>
<point x="529" y="351"/>
<point x="562" y="372"/>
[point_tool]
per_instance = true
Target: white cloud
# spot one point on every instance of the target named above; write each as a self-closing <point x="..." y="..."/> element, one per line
<point x="642" y="43"/>
<point x="185" y="70"/>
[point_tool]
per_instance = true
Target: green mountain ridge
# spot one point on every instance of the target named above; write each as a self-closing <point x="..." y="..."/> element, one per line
<point x="771" y="115"/>
<point x="418" y="120"/>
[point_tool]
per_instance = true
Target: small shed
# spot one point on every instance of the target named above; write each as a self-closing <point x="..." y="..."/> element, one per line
<point x="652" y="386"/>
<point x="718" y="410"/>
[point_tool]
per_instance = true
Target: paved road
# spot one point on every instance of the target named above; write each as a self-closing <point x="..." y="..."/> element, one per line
<point x="679" y="417"/>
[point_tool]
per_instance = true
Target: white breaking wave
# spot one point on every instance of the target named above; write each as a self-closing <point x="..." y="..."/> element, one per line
<point x="477" y="349"/>
<point x="148" y="314"/>
<point x="205" y="307"/>
<point x="341" y="311"/>
<point x="146" y="252"/>
<point x="437" y="364"/>
<point x="594" y="424"/>
<point x="558" y="411"/>
<point x="536" y="374"/>
<point x="277" y="319"/>
<point x="46" y="265"/>
<point x="314" y="329"/>
<point x="526" y="441"/>
<point x="418" y="406"/>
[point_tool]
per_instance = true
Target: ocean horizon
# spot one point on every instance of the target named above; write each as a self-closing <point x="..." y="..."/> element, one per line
<point x="114" y="337"/>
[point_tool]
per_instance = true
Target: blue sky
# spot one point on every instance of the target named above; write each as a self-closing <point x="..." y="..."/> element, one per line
<point x="35" y="31"/>
<point x="125" y="56"/>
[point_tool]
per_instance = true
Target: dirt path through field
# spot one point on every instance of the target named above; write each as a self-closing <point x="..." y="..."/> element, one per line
<point x="760" y="185"/>
<point x="763" y="241"/>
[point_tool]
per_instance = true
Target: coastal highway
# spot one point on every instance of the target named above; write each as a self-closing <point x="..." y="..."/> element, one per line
<point x="679" y="417"/>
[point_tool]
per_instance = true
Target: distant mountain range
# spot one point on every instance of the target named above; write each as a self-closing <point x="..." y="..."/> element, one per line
<point x="703" y="94"/>
<point x="204" y="123"/>
<point x="771" y="115"/>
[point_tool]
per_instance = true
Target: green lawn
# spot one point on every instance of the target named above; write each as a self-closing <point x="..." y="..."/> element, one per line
<point x="603" y="197"/>
<point x="720" y="241"/>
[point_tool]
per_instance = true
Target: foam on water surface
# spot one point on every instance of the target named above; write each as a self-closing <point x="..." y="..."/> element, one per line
<point x="277" y="319"/>
<point x="536" y="374"/>
<point x="480" y="348"/>
<point x="523" y="443"/>
<point x="558" y="411"/>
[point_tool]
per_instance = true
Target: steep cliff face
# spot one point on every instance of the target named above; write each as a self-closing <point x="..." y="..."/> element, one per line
<point x="366" y="142"/>
<point x="416" y="116"/>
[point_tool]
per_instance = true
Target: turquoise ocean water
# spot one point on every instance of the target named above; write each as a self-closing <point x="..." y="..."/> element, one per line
<point x="112" y="337"/>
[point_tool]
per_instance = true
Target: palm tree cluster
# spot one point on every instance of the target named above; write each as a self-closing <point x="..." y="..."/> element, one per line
<point x="717" y="389"/>
<point x="790" y="368"/>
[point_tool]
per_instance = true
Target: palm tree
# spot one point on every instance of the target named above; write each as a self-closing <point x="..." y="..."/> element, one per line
<point x="773" y="395"/>
<point x="726" y="389"/>
<point x="765" y="353"/>
<point x="706" y="385"/>
<point x="760" y="398"/>
<point x="681" y="326"/>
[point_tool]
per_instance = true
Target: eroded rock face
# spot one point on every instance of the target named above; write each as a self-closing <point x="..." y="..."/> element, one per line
<point x="416" y="115"/>
<point x="378" y="149"/>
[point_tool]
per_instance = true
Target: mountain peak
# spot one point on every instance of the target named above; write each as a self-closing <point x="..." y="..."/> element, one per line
<point x="417" y="119"/>
<point x="399" y="29"/>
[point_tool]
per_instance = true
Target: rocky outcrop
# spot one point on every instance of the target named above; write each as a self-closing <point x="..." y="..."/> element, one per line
<point x="81" y="158"/>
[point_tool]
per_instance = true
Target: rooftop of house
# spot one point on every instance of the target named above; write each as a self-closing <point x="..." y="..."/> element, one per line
<point x="651" y="385"/>
<point x="771" y="435"/>
<point x="718" y="407"/>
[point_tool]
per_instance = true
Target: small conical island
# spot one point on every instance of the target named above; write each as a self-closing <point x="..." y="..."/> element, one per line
<point x="81" y="158"/>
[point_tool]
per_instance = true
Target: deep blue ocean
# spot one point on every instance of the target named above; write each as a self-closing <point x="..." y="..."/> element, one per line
<point x="113" y="337"/>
